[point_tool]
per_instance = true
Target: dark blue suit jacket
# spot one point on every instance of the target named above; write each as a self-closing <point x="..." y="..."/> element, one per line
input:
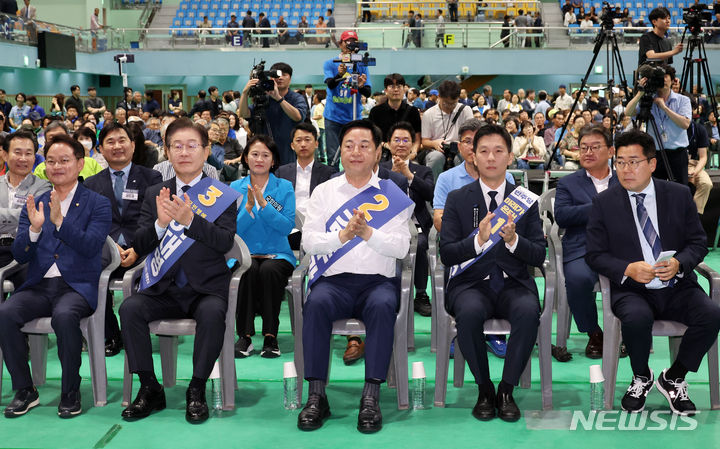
<point x="421" y="191"/>
<point x="140" y="178"/>
<point x="204" y="262"/>
<point x="383" y="173"/>
<point x="456" y="245"/>
<point x="613" y="241"/>
<point x="573" y="201"/>
<point x="76" y="248"/>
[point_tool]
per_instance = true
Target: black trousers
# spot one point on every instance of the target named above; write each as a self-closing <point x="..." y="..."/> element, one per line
<point x="50" y="297"/>
<point x="686" y="302"/>
<point x="262" y="288"/>
<point x="515" y="303"/>
<point x="580" y="281"/>
<point x="421" y="263"/>
<point x="678" y="160"/>
<point x="208" y="311"/>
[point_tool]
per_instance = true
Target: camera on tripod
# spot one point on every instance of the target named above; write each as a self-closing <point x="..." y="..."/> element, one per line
<point x="655" y="77"/>
<point x="607" y="15"/>
<point x="697" y="16"/>
<point x="355" y="58"/>
<point x="265" y="78"/>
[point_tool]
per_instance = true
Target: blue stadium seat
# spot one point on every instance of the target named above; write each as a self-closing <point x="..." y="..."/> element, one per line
<point x="194" y="5"/>
<point x="180" y="14"/>
<point x="220" y="23"/>
<point x="191" y="14"/>
<point x="177" y="23"/>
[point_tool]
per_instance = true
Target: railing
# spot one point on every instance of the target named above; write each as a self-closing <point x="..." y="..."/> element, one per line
<point x="147" y="15"/>
<point x="467" y="9"/>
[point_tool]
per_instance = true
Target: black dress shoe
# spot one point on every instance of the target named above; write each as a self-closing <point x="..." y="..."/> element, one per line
<point x="484" y="409"/>
<point x="70" y="405"/>
<point x="113" y="346"/>
<point x="422" y="304"/>
<point x="506" y="408"/>
<point x="196" y="409"/>
<point x="369" y="418"/>
<point x="560" y="353"/>
<point x="145" y="403"/>
<point x="23" y="401"/>
<point x="594" y="348"/>
<point x="316" y="410"/>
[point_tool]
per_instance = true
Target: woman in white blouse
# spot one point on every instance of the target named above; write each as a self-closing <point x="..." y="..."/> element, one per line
<point x="529" y="146"/>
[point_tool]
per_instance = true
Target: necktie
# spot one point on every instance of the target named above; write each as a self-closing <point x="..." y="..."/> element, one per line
<point x="180" y="278"/>
<point x="496" y="276"/>
<point x="118" y="188"/>
<point x="649" y="231"/>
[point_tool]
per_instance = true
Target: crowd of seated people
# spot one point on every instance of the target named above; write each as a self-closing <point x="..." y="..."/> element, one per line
<point x="134" y="171"/>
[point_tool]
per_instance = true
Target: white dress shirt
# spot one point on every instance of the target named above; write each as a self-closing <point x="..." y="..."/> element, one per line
<point x="54" y="271"/>
<point x="377" y="255"/>
<point x="601" y="185"/>
<point x="302" y="186"/>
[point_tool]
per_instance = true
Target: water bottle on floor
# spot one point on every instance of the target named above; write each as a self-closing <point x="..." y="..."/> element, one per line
<point x="597" y="390"/>
<point x="418" y="386"/>
<point x="290" y="386"/>
<point x="217" y="404"/>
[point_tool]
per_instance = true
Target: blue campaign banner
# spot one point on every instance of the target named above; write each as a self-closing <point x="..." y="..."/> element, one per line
<point x="210" y="198"/>
<point x="379" y="205"/>
<point x="514" y="205"/>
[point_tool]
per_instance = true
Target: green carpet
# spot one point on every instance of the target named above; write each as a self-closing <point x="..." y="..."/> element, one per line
<point x="260" y="421"/>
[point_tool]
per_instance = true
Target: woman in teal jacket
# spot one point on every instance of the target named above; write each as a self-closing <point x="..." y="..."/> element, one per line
<point x="266" y="215"/>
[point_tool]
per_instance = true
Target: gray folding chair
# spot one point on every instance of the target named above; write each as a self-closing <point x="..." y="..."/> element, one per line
<point x="434" y="261"/>
<point x="398" y="371"/>
<point x="168" y="331"/>
<point x="661" y="328"/>
<point x="299" y="254"/>
<point x="92" y="327"/>
<point x="446" y="332"/>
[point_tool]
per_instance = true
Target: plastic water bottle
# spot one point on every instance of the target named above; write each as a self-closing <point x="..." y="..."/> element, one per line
<point x="290" y="386"/>
<point x="216" y="390"/>
<point x="418" y="386"/>
<point x="597" y="390"/>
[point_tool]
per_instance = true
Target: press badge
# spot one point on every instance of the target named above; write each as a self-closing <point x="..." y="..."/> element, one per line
<point x="130" y="194"/>
<point x="19" y="200"/>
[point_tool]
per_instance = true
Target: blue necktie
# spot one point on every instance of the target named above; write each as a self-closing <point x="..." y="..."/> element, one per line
<point x="118" y="188"/>
<point x="496" y="275"/>
<point x="180" y="278"/>
<point x="648" y="230"/>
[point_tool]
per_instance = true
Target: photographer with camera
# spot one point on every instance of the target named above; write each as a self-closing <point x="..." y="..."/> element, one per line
<point x="275" y="105"/>
<point x="654" y="44"/>
<point x="340" y="79"/>
<point x="440" y="126"/>
<point x="671" y="114"/>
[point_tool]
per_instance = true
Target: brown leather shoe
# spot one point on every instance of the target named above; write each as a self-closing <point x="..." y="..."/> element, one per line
<point x="354" y="351"/>
<point x="594" y="347"/>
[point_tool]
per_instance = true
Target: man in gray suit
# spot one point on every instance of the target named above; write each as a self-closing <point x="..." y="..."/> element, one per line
<point x="19" y="153"/>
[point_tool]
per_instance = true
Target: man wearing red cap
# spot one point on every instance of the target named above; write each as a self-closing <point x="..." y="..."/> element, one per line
<point x="340" y="92"/>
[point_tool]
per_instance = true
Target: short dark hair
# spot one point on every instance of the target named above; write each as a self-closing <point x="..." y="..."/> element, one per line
<point x="304" y="126"/>
<point x="74" y="87"/>
<point x="394" y="78"/>
<point x="308" y="85"/>
<point x="201" y="94"/>
<point x="660" y="12"/>
<point x="636" y="137"/>
<point x="330" y="10"/>
<point x="2" y="91"/>
<point x="449" y="89"/>
<point x="670" y="70"/>
<point x="283" y="67"/>
<point x="269" y="143"/>
<point x="91" y="88"/>
<point x="78" y="149"/>
<point x="364" y="124"/>
<point x="542" y="95"/>
<point x="185" y="123"/>
<point x="492" y="129"/>
<point x="211" y="89"/>
<point x="598" y="130"/>
<point x="20" y="134"/>
<point x="32" y="99"/>
<point x="20" y="94"/>
<point x="71" y="106"/>
<point x="85" y="132"/>
<point x="111" y="127"/>
<point x="406" y="126"/>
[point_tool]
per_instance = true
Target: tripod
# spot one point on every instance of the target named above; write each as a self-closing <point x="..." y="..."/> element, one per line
<point x="614" y="61"/>
<point x="645" y="117"/>
<point x="354" y="89"/>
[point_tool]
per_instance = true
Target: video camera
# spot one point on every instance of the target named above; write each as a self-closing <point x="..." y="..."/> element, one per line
<point x="607" y="15"/>
<point x="655" y="76"/>
<point x="354" y="58"/>
<point x="266" y="82"/>
<point x="697" y="16"/>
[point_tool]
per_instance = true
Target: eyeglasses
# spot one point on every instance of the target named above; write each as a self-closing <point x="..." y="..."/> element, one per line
<point x="61" y="162"/>
<point x="398" y="140"/>
<point x="632" y="164"/>
<point x="593" y="149"/>
<point x="467" y="142"/>
<point x="191" y="147"/>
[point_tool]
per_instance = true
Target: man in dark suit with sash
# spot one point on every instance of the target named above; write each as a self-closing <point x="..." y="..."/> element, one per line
<point x="195" y="284"/>
<point x="124" y="184"/>
<point x="496" y="285"/>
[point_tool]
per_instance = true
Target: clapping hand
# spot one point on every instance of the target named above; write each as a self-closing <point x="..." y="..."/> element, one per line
<point x="56" y="216"/>
<point x="36" y="216"/>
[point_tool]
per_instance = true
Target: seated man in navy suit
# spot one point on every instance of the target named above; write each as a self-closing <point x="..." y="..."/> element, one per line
<point x="305" y="174"/>
<point x="573" y="201"/>
<point x="633" y="230"/>
<point x="60" y="236"/>
<point x="195" y="286"/>
<point x="124" y="184"/>
<point x="401" y="138"/>
<point x="498" y="284"/>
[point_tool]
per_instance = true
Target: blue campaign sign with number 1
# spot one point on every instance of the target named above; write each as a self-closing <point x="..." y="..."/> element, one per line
<point x="209" y="199"/>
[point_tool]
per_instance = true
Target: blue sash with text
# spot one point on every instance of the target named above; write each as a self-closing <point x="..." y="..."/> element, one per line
<point x="515" y="206"/>
<point x="379" y="206"/>
<point x="210" y="198"/>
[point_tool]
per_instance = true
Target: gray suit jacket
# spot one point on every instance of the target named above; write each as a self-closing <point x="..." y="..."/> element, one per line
<point x="9" y="212"/>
